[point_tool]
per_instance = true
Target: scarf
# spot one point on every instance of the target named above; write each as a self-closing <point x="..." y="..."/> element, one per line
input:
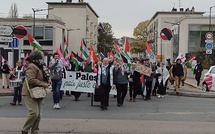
<point x="104" y="69"/>
<point x="122" y="69"/>
<point x="42" y="66"/>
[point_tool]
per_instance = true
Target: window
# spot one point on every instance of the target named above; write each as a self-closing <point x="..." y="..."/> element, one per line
<point x="39" y="33"/>
<point x="48" y="33"/>
<point x="213" y="70"/>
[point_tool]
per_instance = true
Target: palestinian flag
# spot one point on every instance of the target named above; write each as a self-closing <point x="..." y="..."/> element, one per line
<point x="124" y="55"/>
<point x="127" y="47"/>
<point x="34" y="43"/>
<point x="84" y="50"/>
<point x="78" y="57"/>
<point x="149" y="53"/>
<point x="192" y="63"/>
<point x="75" y="61"/>
<point x="110" y="55"/>
<point x="65" y="51"/>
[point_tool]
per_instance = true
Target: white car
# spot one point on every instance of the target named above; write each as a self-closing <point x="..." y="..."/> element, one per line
<point x="209" y="80"/>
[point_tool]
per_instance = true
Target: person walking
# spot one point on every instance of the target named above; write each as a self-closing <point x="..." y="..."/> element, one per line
<point x="162" y="79"/>
<point x="121" y="72"/>
<point x="149" y="79"/>
<point x="37" y="74"/>
<point x="56" y="70"/>
<point x="198" y="72"/>
<point x="19" y="73"/>
<point x="134" y="83"/>
<point x="5" y="74"/>
<point x="105" y="82"/>
<point x="177" y="71"/>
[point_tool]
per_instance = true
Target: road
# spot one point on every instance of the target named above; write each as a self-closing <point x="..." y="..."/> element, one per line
<point x="171" y="115"/>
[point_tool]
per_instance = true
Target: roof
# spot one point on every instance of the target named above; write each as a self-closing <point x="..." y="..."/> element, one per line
<point x="70" y="3"/>
<point x="174" y="12"/>
<point x="31" y="20"/>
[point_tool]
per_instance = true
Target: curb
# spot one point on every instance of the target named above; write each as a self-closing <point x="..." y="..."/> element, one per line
<point x="192" y="94"/>
<point x="6" y="94"/>
<point x="192" y="85"/>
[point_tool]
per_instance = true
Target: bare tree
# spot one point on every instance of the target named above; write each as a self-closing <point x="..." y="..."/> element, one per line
<point x="13" y="11"/>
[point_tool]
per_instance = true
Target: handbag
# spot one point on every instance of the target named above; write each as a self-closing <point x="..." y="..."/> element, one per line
<point x="36" y="92"/>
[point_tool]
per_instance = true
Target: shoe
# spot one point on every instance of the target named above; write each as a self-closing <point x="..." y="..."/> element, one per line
<point x="20" y="104"/>
<point x="76" y="99"/>
<point x="119" y="105"/>
<point x="162" y="96"/>
<point x="134" y="99"/>
<point x="57" y="106"/>
<point x="159" y="96"/>
<point x="2" y="86"/>
<point x="7" y="87"/>
<point x="54" y="106"/>
<point x="177" y="93"/>
<point x="103" y="108"/>
<point x="130" y="100"/>
<point x="13" y="103"/>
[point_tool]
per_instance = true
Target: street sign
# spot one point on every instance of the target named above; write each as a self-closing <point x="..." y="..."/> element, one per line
<point x="209" y="45"/>
<point x="14" y="43"/>
<point x="209" y="36"/>
<point x="6" y="30"/>
<point x="209" y="51"/>
<point x="166" y="34"/>
<point x="6" y="39"/>
<point x="19" y="32"/>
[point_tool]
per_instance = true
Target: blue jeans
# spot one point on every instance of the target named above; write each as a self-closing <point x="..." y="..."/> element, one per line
<point x="56" y="85"/>
<point x="17" y="96"/>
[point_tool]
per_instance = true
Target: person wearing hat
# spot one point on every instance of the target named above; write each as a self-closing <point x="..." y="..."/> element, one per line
<point x="162" y="79"/>
<point x="149" y="79"/>
<point x="177" y="71"/>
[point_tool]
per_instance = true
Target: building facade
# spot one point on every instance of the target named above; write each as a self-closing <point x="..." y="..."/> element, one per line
<point x="81" y="22"/>
<point x="48" y="32"/>
<point x="177" y="22"/>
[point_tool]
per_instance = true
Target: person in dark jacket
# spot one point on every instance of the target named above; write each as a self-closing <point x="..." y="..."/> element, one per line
<point x="198" y="72"/>
<point x="177" y="73"/>
<point x="134" y="83"/>
<point x="5" y="74"/>
<point x="149" y="79"/>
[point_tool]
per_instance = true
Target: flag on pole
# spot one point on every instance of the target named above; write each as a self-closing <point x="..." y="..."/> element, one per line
<point x="2" y="60"/>
<point x="34" y="43"/>
<point x="181" y="56"/>
<point x="75" y="61"/>
<point x="102" y="56"/>
<point x="61" y="57"/>
<point x="149" y="53"/>
<point x="84" y="50"/>
<point x="101" y="29"/>
<point x="148" y="49"/>
<point x="122" y="53"/>
<point x="110" y="55"/>
<point x="65" y="51"/>
<point x="93" y="54"/>
<point x="78" y="57"/>
<point x="127" y="47"/>
<point x="192" y="63"/>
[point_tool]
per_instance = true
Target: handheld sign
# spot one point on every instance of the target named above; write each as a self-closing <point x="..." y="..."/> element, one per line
<point x="144" y="70"/>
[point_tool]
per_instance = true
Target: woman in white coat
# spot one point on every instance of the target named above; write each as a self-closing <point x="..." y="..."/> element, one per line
<point x="162" y="79"/>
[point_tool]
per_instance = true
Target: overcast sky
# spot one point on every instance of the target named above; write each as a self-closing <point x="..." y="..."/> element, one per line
<point x="123" y="15"/>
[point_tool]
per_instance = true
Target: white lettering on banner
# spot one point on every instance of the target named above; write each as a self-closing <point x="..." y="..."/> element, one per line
<point x="143" y="69"/>
<point x="79" y="82"/>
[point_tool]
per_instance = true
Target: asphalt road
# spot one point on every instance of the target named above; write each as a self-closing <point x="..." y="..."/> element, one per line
<point x="171" y="115"/>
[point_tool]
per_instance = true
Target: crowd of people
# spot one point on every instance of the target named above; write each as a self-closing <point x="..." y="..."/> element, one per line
<point x="111" y="73"/>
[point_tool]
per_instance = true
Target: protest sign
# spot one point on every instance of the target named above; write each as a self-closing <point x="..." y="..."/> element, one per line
<point x="79" y="82"/>
<point x="143" y="69"/>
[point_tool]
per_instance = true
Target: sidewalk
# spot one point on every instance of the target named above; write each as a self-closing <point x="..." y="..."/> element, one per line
<point x="190" y="90"/>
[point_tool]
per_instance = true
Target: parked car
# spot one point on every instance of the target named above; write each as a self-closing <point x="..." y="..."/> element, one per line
<point x="209" y="80"/>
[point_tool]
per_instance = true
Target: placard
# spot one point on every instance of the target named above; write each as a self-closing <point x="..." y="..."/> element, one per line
<point x="143" y="69"/>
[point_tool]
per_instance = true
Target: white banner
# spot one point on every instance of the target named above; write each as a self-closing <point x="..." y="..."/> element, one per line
<point x="79" y="82"/>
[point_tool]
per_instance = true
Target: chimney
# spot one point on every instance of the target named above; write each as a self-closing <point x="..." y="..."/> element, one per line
<point x="68" y="1"/>
<point x="174" y="9"/>
<point x="80" y="1"/>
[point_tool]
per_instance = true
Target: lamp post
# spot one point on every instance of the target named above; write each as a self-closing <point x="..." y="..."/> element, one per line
<point x="37" y="10"/>
<point x="210" y="18"/>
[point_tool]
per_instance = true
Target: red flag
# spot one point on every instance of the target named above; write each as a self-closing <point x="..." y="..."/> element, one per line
<point x="110" y="55"/>
<point x="147" y="47"/>
<point x="117" y="48"/>
<point x="93" y="54"/>
<point x="127" y="46"/>
<point x="61" y="57"/>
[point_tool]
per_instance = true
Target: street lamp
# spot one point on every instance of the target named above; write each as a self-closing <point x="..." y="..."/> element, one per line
<point x="38" y="10"/>
<point x="210" y="18"/>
